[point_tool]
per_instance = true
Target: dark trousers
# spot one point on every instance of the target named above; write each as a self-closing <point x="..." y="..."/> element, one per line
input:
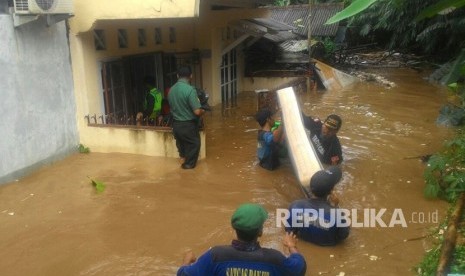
<point x="187" y="138"/>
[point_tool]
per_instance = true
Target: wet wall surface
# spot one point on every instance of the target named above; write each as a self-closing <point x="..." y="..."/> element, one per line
<point x="54" y="223"/>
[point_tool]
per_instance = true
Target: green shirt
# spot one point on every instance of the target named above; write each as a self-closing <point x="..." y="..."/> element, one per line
<point x="157" y="97"/>
<point x="183" y="101"/>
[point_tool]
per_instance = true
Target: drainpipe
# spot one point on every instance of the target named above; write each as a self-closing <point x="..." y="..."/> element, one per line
<point x="309" y="34"/>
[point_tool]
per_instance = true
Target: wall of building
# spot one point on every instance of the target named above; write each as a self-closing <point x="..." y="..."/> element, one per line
<point x="87" y="81"/>
<point x="87" y="60"/>
<point x="89" y="11"/>
<point x="206" y="32"/>
<point x="211" y="36"/>
<point x="38" y="124"/>
<point x="134" y="140"/>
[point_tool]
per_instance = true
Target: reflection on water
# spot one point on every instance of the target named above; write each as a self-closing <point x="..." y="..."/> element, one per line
<point x="152" y="211"/>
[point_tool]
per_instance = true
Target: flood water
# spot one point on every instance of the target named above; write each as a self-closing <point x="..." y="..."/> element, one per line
<point x="53" y="223"/>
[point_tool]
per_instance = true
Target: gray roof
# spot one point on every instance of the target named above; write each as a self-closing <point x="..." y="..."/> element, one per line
<point x="298" y="17"/>
<point x="291" y="22"/>
<point x="240" y="3"/>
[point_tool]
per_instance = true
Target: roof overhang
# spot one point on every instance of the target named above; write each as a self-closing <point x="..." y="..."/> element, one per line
<point x="227" y="4"/>
<point x="89" y="12"/>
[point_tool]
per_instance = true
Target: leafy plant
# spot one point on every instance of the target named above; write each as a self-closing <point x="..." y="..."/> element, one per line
<point x="83" y="149"/>
<point x="429" y="263"/>
<point x="281" y="3"/>
<point x="453" y="113"/>
<point x="356" y="7"/>
<point x="445" y="173"/>
<point x="330" y="46"/>
<point x="458" y="265"/>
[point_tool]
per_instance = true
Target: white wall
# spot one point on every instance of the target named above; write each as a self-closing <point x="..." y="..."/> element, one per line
<point x="38" y="122"/>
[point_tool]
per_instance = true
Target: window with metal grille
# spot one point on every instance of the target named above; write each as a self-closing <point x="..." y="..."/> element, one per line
<point x="142" y="37"/>
<point x="172" y="35"/>
<point x="229" y="77"/>
<point x="122" y="38"/>
<point x="99" y="40"/>
<point x="158" y="38"/>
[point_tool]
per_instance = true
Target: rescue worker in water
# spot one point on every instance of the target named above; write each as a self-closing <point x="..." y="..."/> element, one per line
<point x="245" y="256"/>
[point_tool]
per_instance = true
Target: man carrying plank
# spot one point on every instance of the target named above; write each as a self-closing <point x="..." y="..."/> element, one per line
<point x="324" y="139"/>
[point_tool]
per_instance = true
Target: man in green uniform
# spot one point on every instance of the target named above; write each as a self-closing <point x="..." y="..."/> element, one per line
<point x="186" y="111"/>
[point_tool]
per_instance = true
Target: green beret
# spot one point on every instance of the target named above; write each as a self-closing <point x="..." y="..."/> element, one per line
<point x="249" y="217"/>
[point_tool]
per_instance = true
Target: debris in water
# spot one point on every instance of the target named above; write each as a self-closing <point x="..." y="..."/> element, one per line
<point x="99" y="186"/>
<point x="373" y="258"/>
<point x="83" y="149"/>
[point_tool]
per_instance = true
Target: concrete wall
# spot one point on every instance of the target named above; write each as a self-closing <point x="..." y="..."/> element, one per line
<point x="134" y="140"/>
<point x="38" y="123"/>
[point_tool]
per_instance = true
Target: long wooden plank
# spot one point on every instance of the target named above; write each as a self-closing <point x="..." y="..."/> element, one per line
<point x="302" y="154"/>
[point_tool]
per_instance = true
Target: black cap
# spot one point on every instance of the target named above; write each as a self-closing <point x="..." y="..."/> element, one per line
<point x="333" y="121"/>
<point x="323" y="182"/>
<point x="262" y="115"/>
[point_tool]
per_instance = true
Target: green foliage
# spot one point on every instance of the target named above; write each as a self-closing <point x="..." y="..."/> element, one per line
<point x="281" y="3"/>
<point x="429" y="264"/>
<point x="453" y="113"/>
<point x="330" y="47"/>
<point x="458" y="265"/>
<point x="98" y="185"/>
<point x="83" y="149"/>
<point x="392" y="24"/>
<point x="445" y="173"/>
<point x="356" y="7"/>
<point x="439" y="8"/>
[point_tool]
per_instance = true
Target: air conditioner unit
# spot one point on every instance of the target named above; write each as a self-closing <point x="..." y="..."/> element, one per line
<point x="43" y="6"/>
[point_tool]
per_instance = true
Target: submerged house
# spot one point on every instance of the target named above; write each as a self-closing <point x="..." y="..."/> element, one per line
<point x="80" y="80"/>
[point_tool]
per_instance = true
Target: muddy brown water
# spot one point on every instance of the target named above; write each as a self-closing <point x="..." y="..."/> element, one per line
<point x="53" y="223"/>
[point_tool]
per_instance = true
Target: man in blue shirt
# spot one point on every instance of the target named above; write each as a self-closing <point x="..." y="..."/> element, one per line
<point x="245" y="256"/>
<point x="269" y="141"/>
<point x="326" y="226"/>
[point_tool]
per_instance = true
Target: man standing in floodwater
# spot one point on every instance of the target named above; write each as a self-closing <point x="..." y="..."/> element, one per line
<point x="323" y="136"/>
<point x="322" y="229"/>
<point x="245" y="256"/>
<point x="186" y="110"/>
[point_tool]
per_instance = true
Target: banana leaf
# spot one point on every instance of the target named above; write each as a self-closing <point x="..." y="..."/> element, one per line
<point x="437" y="8"/>
<point x="456" y="70"/>
<point x="356" y="7"/>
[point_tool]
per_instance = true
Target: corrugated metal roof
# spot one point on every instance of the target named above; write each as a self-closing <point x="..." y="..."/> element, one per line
<point x="294" y="45"/>
<point x="298" y="16"/>
<point x="281" y="36"/>
<point x="291" y="22"/>
<point x="240" y="3"/>
<point x="273" y="25"/>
